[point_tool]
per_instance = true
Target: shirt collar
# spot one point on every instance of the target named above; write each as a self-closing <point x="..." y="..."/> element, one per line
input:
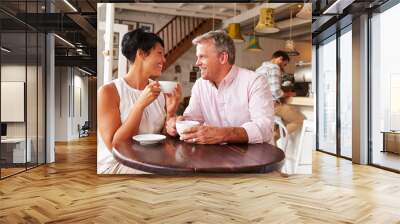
<point x="232" y="74"/>
<point x="228" y="78"/>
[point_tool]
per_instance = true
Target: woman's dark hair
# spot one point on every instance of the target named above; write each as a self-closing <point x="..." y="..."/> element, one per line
<point x="138" y="39"/>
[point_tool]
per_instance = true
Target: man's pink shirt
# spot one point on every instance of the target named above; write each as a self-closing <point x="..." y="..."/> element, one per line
<point x="243" y="99"/>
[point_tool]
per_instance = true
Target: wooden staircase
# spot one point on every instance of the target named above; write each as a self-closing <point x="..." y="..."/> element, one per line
<point x="179" y="33"/>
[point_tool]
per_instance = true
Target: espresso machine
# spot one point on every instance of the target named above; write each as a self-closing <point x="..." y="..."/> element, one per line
<point x="303" y="80"/>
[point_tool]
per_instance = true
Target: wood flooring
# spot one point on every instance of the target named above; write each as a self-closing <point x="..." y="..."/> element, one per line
<point x="70" y="191"/>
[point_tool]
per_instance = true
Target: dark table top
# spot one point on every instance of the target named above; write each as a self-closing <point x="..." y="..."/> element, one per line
<point x="173" y="156"/>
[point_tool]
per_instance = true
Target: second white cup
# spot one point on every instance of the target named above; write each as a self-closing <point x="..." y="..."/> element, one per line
<point x="182" y="125"/>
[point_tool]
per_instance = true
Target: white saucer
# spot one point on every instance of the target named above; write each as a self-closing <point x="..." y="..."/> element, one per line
<point x="147" y="139"/>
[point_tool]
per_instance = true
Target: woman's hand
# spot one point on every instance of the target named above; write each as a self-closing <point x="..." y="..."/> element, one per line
<point x="172" y="100"/>
<point x="170" y="124"/>
<point x="149" y="94"/>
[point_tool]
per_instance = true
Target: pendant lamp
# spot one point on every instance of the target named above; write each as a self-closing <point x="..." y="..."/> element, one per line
<point x="253" y="44"/>
<point x="266" y="22"/>
<point x="253" y="41"/>
<point x="290" y="46"/>
<point x="234" y="30"/>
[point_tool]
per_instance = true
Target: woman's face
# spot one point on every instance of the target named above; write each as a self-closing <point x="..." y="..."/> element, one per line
<point x="153" y="63"/>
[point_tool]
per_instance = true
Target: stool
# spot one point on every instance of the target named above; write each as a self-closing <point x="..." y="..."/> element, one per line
<point x="306" y="128"/>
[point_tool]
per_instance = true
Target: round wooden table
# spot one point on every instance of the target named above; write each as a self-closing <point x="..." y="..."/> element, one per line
<point x="173" y="156"/>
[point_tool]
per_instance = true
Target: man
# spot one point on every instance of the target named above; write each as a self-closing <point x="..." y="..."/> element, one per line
<point x="274" y="70"/>
<point x="235" y="104"/>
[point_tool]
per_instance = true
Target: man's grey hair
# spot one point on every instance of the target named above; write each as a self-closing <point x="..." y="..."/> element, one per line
<point x="222" y="42"/>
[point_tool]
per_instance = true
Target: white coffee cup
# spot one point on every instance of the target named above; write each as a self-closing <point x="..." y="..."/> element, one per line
<point x="167" y="86"/>
<point x="182" y="125"/>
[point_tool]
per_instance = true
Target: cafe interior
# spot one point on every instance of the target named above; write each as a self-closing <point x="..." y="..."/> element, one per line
<point x="341" y="166"/>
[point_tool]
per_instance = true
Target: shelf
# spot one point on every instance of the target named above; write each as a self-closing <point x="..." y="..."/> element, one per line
<point x="303" y="63"/>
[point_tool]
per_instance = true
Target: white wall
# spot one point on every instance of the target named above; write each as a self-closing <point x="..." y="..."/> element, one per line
<point x="15" y="72"/>
<point x="61" y="103"/>
<point x="68" y="82"/>
<point x="101" y="17"/>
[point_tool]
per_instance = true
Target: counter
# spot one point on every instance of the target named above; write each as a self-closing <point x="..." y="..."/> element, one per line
<point x="301" y="101"/>
<point x="304" y="104"/>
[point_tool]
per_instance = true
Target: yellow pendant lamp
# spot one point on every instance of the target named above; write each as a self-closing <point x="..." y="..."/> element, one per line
<point x="234" y="29"/>
<point x="266" y="23"/>
<point x="234" y="32"/>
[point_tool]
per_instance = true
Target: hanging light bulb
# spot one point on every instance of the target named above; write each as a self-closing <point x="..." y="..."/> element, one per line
<point x="234" y="30"/>
<point x="253" y="41"/>
<point x="290" y="46"/>
<point x="266" y="22"/>
<point x="305" y="12"/>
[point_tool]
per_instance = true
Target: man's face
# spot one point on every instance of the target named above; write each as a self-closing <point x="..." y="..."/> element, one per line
<point x="282" y="63"/>
<point x="207" y="60"/>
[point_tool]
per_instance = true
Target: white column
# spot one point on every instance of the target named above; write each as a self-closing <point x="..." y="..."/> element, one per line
<point x="50" y="99"/>
<point x="108" y="39"/>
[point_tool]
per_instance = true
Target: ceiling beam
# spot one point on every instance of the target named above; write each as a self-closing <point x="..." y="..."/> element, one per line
<point x="299" y="32"/>
<point x="239" y="6"/>
<point x="84" y="24"/>
<point x="85" y="61"/>
<point x="181" y="5"/>
<point x="169" y="10"/>
<point x="337" y="7"/>
<point x="305" y="37"/>
<point x="62" y="6"/>
<point x="285" y="24"/>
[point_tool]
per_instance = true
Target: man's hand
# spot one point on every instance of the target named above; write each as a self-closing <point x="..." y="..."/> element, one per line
<point x="203" y="134"/>
<point x="171" y="125"/>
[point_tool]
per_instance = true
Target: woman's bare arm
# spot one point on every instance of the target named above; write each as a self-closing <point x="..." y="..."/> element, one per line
<point x="111" y="129"/>
<point x="108" y="114"/>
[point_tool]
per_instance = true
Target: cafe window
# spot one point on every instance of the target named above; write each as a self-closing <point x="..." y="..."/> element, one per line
<point x="345" y="83"/>
<point x="334" y="94"/>
<point x="385" y="89"/>
<point x="326" y="96"/>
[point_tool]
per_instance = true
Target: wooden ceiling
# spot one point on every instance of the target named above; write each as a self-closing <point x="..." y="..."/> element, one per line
<point x="244" y="13"/>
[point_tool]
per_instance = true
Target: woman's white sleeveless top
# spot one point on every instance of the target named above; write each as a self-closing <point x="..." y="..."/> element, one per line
<point x="152" y="121"/>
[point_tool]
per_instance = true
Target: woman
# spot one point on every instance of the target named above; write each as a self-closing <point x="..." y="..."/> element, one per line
<point x="133" y="104"/>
